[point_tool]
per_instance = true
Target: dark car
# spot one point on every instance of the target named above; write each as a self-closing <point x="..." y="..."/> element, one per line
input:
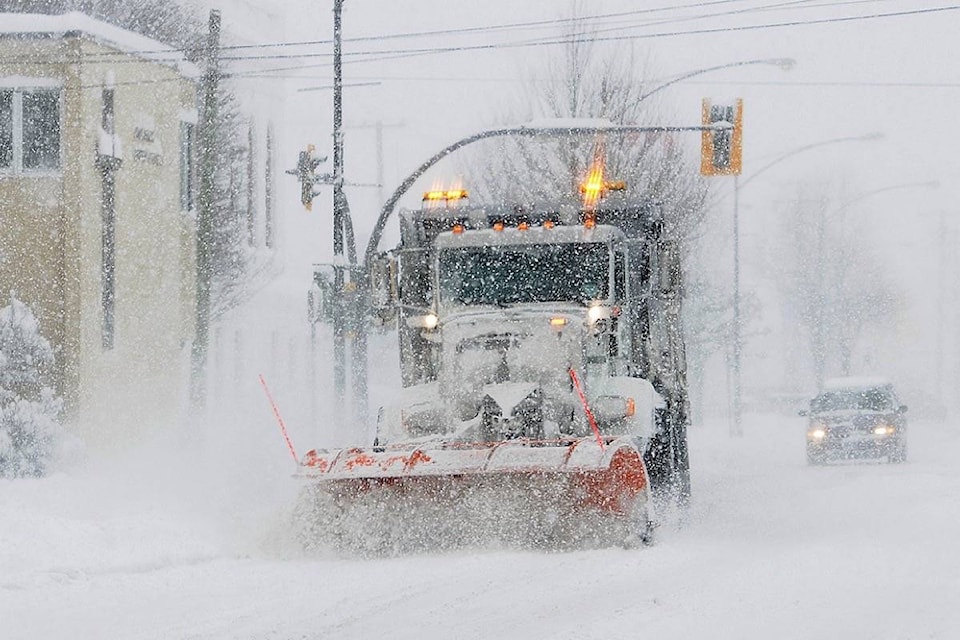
<point x="856" y="418"/>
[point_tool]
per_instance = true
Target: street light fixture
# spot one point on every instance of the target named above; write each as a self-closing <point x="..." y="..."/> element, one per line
<point x="736" y="428"/>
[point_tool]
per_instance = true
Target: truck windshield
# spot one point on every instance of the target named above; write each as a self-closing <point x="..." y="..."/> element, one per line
<point x="499" y="275"/>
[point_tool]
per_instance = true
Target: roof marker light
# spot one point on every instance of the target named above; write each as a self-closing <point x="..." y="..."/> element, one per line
<point x="498" y="226"/>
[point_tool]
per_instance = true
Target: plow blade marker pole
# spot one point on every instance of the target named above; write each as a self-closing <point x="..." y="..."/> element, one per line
<point x="276" y="412"/>
<point x="586" y="408"/>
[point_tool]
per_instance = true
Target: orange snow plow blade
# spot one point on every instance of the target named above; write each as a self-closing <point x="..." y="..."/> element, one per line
<point x="520" y="492"/>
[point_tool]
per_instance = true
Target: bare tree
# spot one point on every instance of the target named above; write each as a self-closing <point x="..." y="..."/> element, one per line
<point x="584" y="83"/>
<point x="833" y="281"/>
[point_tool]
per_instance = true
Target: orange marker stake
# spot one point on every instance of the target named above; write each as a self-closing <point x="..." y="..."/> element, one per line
<point x="276" y="412"/>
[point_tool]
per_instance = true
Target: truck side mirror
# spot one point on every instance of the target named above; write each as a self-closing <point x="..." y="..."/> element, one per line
<point x="384" y="290"/>
<point x="670" y="279"/>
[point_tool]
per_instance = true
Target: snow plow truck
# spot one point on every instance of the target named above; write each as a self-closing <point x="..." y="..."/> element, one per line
<point x="544" y="397"/>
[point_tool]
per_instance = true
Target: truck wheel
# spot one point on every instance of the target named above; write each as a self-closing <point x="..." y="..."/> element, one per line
<point x="668" y="471"/>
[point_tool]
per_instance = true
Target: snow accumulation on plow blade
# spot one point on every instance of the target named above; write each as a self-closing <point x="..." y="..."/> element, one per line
<point x="520" y="493"/>
<point x="608" y="474"/>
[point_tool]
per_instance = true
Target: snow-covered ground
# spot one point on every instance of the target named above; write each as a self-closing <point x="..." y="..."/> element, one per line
<point x="157" y="546"/>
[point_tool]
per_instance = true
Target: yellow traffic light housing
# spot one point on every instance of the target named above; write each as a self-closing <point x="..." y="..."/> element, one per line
<point x="721" y="145"/>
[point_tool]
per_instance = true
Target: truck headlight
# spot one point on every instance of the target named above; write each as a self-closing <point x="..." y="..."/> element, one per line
<point x="597" y="312"/>
<point x="883" y="430"/>
<point x="817" y="433"/>
<point x="428" y="321"/>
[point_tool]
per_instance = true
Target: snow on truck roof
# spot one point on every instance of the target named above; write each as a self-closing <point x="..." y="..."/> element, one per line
<point x="29" y="24"/>
<point x="559" y="234"/>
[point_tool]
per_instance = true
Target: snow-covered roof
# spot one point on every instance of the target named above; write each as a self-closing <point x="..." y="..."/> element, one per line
<point x="19" y="24"/>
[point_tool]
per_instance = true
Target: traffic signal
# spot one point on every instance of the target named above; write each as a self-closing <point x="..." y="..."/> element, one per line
<point x="721" y="145"/>
<point x="306" y="166"/>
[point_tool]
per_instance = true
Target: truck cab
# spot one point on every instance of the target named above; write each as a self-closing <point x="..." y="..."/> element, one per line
<point x="518" y="322"/>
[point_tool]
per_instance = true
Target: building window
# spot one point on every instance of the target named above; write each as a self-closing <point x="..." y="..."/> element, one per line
<point x="186" y="166"/>
<point x="6" y="128"/>
<point x="30" y="129"/>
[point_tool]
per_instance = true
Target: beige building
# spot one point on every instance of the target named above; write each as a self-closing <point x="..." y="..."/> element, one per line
<point x="97" y="232"/>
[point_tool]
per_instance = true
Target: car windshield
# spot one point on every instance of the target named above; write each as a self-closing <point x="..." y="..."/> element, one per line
<point x="854" y="399"/>
<point x="499" y="275"/>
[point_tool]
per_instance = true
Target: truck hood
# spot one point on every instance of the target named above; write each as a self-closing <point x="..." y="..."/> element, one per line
<point x="479" y="320"/>
<point x="519" y="344"/>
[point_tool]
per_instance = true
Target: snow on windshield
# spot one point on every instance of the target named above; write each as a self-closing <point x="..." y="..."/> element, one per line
<point x="516" y="274"/>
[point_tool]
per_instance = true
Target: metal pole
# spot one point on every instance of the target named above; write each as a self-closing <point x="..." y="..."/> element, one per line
<point x="736" y="428"/>
<point x="205" y="201"/>
<point x="339" y="325"/>
<point x="941" y="292"/>
<point x="379" y="130"/>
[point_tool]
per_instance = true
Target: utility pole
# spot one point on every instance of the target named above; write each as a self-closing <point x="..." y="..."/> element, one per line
<point x="339" y="320"/>
<point x="205" y="199"/>
<point x="349" y="291"/>
<point x="349" y="310"/>
<point x="737" y="426"/>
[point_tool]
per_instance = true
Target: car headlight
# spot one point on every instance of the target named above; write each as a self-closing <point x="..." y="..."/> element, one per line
<point x="817" y="434"/>
<point x="883" y="430"/>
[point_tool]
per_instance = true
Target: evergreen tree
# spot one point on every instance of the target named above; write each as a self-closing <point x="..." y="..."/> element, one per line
<point x="28" y="407"/>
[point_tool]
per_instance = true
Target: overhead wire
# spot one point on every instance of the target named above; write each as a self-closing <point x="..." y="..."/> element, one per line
<point x="379" y="56"/>
<point x="384" y="55"/>
<point x="171" y="54"/>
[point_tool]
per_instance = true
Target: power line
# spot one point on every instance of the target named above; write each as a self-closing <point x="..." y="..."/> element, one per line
<point x="455" y="31"/>
<point x="171" y="54"/>
<point x="379" y="56"/>
<point x="383" y="55"/>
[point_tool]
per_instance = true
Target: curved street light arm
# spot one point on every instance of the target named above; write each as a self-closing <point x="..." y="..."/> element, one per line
<point x="870" y="136"/>
<point x="524" y="131"/>
<point x="932" y="184"/>
<point x="784" y="63"/>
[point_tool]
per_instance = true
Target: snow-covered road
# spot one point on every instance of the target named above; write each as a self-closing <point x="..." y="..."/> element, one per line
<point x="770" y="549"/>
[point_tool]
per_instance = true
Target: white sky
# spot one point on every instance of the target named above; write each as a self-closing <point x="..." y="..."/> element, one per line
<point x="892" y="75"/>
